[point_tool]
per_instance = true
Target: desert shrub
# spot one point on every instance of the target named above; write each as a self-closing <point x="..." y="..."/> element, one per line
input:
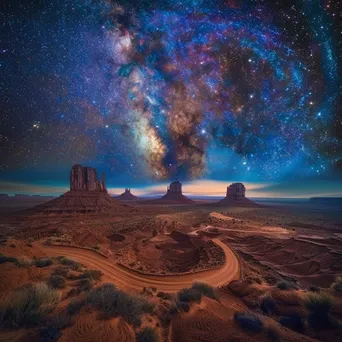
<point x="70" y="263"/>
<point x="189" y="295"/>
<point x="92" y="274"/>
<point x="113" y="302"/>
<point x="4" y="259"/>
<point x="74" y="292"/>
<point x="319" y="306"/>
<point x="29" y="244"/>
<point x="182" y="306"/>
<point x="267" y="304"/>
<point x="43" y="262"/>
<point x="61" y="271"/>
<point x="147" y="335"/>
<point x="97" y="247"/>
<point x="273" y="333"/>
<point x="30" y="240"/>
<point x="13" y="245"/>
<point x="50" y="330"/>
<point x="164" y="295"/>
<point x="23" y="262"/>
<point x="337" y="285"/>
<point x="293" y="322"/>
<point x="314" y="288"/>
<point x="28" y="305"/>
<point x="205" y="289"/>
<point x="286" y="285"/>
<point x="56" y="281"/>
<point x="249" y="321"/>
<point x="75" y="306"/>
<point x="85" y="284"/>
<point x="48" y="241"/>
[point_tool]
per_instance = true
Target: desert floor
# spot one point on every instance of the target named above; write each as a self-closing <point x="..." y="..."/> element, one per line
<point x="243" y="253"/>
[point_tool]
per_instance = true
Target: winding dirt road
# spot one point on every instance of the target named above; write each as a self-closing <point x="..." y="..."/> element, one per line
<point x="130" y="280"/>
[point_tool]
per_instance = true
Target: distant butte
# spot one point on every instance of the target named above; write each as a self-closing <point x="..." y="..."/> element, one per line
<point x="236" y="196"/>
<point x="127" y="196"/>
<point x="87" y="194"/>
<point x="174" y="194"/>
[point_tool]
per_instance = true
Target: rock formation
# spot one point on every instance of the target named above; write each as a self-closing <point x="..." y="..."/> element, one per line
<point x="85" y="179"/>
<point x="236" y="196"/>
<point x="174" y="193"/>
<point x="236" y="190"/>
<point x="127" y="196"/>
<point x="87" y="194"/>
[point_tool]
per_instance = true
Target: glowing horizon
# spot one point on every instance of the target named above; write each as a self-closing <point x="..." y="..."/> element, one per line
<point x="197" y="188"/>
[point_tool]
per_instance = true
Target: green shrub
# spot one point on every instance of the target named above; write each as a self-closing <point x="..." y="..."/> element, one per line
<point x="61" y="271"/>
<point x="50" y="329"/>
<point x="147" y="335"/>
<point x="182" y="306"/>
<point x="23" y="262"/>
<point x="205" y="289"/>
<point x="164" y="295"/>
<point x="71" y="263"/>
<point x="75" y="306"/>
<point x="273" y="333"/>
<point x="43" y="262"/>
<point x="74" y="292"/>
<point x="4" y="259"/>
<point x="114" y="302"/>
<point x="314" y="288"/>
<point x="337" y="285"/>
<point x="249" y="321"/>
<point x="189" y="295"/>
<point x="92" y="274"/>
<point x="319" y="306"/>
<point x="286" y="285"/>
<point x="56" y="281"/>
<point x="85" y="284"/>
<point x="28" y="305"/>
<point x="293" y="322"/>
<point x="267" y="304"/>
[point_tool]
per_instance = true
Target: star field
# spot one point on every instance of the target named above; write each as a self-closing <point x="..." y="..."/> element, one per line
<point x="156" y="90"/>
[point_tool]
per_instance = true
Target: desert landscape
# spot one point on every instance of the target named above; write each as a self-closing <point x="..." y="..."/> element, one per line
<point x="97" y="268"/>
<point x="171" y="171"/>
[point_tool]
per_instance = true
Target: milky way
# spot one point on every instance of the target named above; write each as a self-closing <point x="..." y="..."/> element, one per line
<point x="181" y="90"/>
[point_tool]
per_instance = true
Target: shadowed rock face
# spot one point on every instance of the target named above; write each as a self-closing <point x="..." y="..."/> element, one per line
<point x="236" y="190"/>
<point x="85" y="179"/>
<point x="236" y="196"/>
<point x="127" y="196"/>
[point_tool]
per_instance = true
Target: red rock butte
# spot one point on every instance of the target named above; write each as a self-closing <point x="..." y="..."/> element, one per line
<point x="174" y="193"/>
<point x="236" y="196"/>
<point x="127" y="196"/>
<point x="87" y="194"/>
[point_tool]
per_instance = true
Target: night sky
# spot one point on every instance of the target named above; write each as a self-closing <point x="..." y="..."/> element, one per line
<point x="150" y="91"/>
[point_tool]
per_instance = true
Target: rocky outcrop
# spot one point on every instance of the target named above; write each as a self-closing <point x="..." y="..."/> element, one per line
<point x="87" y="195"/>
<point x="174" y="194"/>
<point x="85" y="179"/>
<point x="127" y="196"/>
<point x="236" y="190"/>
<point x="236" y="196"/>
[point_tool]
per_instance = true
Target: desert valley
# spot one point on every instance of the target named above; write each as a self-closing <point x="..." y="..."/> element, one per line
<point x="90" y="267"/>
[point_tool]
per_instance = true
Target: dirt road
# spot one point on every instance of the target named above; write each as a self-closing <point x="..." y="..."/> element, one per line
<point x="130" y="280"/>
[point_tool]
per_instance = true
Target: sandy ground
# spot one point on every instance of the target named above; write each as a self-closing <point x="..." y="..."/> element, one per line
<point x="127" y="279"/>
<point x="262" y="246"/>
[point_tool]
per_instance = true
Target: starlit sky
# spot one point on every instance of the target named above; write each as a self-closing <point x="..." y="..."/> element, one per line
<point x="206" y="92"/>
